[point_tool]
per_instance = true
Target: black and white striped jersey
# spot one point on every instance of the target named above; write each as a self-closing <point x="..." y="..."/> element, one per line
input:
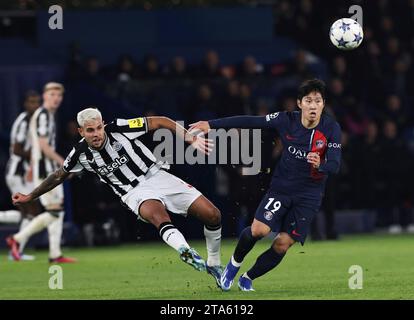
<point x="17" y="165"/>
<point x="123" y="160"/>
<point x="42" y="125"/>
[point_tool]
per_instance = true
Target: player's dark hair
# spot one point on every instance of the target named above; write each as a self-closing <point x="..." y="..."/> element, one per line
<point x="312" y="85"/>
<point x="30" y="94"/>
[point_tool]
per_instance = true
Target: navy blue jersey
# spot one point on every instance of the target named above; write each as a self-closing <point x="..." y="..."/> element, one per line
<point x="293" y="174"/>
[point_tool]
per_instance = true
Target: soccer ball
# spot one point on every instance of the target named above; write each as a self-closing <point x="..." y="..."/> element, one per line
<point x="346" y="34"/>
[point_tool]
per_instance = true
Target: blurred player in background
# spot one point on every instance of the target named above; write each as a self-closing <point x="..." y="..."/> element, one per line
<point x="311" y="150"/>
<point x="44" y="161"/>
<point x="122" y="161"/>
<point x="18" y="171"/>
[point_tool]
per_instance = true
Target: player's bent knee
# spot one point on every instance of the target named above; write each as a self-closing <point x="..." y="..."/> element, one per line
<point x="282" y="243"/>
<point x="215" y="216"/>
<point x="281" y="248"/>
<point x="259" y="231"/>
<point x="154" y="212"/>
<point x="211" y="216"/>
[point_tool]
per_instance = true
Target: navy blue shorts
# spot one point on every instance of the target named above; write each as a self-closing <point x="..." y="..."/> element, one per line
<point x="287" y="213"/>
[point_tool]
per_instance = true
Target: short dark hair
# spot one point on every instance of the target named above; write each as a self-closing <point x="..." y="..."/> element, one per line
<point x="312" y="85"/>
<point x="30" y="94"/>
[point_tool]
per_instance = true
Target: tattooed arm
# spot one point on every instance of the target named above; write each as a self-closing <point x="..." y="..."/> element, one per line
<point x="48" y="184"/>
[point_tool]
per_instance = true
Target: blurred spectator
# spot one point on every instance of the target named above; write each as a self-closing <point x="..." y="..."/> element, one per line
<point x="356" y="119"/>
<point x="393" y="168"/>
<point x="289" y="104"/>
<point x="394" y="111"/>
<point x="203" y="106"/>
<point x="340" y="71"/>
<point x="386" y="29"/>
<point x="250" y="68"/>
<point x="391" y="54"/>
<point x="178" y="68"/>
<point x="246" y="98"/>
<point x="151" y="69"/>
<point x="232" y="101"/>
<point x="126" y="69"/>
<point x="367" y="168"/>
<point x="299" y="66"/>
<point x="210" y="67"/>
<point x="337" y="97"/>
<point x="92" y="73"/>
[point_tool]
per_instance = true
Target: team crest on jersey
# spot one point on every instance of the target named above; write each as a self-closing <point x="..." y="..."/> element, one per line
<point x="136" y="123"/>
<point x="268" y="215"/>
<point x="319" y="144"/>
<point x="117" y="146"/>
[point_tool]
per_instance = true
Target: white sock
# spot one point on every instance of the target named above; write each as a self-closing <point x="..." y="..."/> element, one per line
<point x="172" y="236"/>
<point x="10" y="216"/>
<point x="234" y="263"/>
<point x="37" y="224"/>
<point x="23" y="224"/>
<point x="55" y="235"/>
<point x="213" y="242"/>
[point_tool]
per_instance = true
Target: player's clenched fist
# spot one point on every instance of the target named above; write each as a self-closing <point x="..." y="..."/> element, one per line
<point x="19" y="198"/>
<point x="314" y="159"/>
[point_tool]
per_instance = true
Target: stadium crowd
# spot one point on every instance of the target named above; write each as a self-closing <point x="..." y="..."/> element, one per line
<point x="370" y="93"/>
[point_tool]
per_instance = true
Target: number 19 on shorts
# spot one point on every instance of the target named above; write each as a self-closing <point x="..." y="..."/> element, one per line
<point x="273" y="205"/>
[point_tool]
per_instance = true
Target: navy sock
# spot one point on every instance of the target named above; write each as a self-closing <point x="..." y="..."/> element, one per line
<point x="264" y="263"/>
<point x="245" y="244"/>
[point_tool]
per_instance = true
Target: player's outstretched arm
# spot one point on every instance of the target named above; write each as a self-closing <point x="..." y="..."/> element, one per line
<point x="246" y="122"/>
<point x="198" y="142"/>
<point x="48" y="184"/>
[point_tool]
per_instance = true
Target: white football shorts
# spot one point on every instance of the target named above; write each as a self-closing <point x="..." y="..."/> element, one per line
<point x="175" y="194"/>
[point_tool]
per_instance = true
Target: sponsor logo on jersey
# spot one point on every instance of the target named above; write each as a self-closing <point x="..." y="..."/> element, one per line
<point x="118" y="162"/>
<point x="272" y="116"/>
<point x="136" y="123"/>
<point x="117" y="146"/>
<point x="268" y="215"/>
<point x="299" y="154"/>
<point x="334" y="145"/>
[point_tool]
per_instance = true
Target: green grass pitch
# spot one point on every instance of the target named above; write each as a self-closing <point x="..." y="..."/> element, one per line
<point x="319" y="270"/>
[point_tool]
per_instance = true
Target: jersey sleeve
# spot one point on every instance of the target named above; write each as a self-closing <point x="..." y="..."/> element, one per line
<point x="276" y="121"/>
<point x="333" y="154"/>
<point x="42" y="124"/>
<point x="131" y="128"/>
<point x="72" y="163"/>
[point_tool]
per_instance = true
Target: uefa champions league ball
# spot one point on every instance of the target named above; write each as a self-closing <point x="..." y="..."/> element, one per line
<point x="346" y="34"/>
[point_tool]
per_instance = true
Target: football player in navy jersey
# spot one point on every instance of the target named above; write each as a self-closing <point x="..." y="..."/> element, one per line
<point x="311" y="150"/>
